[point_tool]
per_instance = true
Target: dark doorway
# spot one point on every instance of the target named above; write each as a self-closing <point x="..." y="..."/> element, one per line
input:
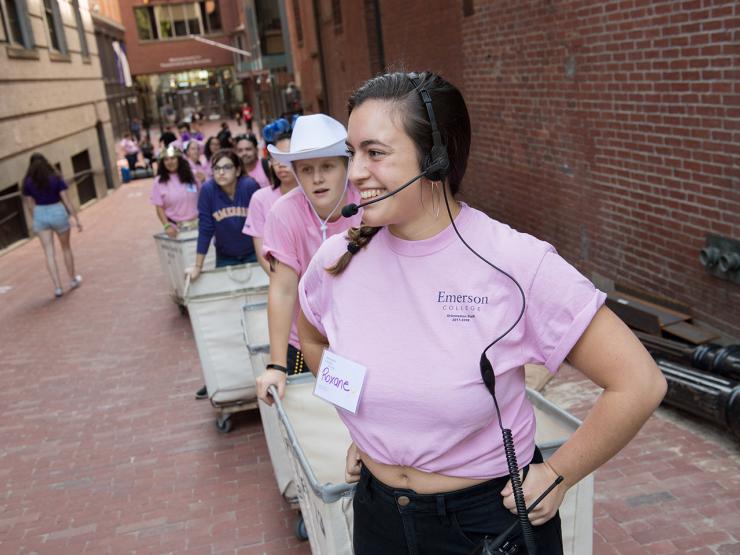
<point x="83" y="176"/>
<point x="12" y="219"/>
<point x="103" y="144"/>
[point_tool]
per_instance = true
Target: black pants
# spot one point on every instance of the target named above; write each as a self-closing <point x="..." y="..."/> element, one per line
<point x="392" y="521"/>
<point x="296" y="362"/>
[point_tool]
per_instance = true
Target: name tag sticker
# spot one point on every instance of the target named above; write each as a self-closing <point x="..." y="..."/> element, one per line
<point x="339" y="381"/>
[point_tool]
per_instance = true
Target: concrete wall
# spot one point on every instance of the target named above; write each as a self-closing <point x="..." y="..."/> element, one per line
<point x="51" y="103"/>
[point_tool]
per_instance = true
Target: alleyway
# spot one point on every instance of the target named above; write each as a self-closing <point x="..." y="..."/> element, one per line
<point x="103" y="448"/>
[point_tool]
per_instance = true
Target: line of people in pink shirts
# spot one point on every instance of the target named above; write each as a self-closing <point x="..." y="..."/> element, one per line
<point x="406" y="295"/>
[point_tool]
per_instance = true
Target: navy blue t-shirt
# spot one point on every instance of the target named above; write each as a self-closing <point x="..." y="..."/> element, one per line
<point x="48" y="196"/>
<point x="220" y="216"/>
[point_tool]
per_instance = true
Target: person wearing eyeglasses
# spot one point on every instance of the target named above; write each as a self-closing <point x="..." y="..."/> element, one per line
<point x="222" y="210"/>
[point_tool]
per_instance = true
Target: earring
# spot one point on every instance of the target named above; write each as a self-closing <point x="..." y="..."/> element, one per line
<point x="435" y="195"/>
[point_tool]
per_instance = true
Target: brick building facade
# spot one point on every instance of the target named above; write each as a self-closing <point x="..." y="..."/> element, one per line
<point x="609" y="129"/>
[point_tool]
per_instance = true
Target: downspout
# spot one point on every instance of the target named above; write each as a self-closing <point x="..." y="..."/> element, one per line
<point x="319" y="46"/>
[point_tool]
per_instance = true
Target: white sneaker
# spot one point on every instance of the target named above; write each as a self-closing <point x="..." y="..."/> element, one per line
<point x="75" y="283"/>
<point x="58" y="292"/>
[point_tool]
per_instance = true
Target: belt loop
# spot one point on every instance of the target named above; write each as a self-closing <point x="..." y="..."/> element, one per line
<point x="442" y="510"/>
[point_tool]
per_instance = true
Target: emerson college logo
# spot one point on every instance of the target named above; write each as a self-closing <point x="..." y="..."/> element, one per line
<point x="460" y="307"/>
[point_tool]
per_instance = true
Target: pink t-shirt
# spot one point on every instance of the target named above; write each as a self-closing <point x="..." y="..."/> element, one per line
<point x="180" y="201"/>
<point x="201" y="166"/>
<point x="259" y="207"/>
<point x="292" y="234"/>
<point x="259" y="175"/>
<point x="417" y="315"/>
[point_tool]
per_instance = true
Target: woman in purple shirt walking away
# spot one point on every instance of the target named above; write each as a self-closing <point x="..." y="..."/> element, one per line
<point x="46" y="193"/>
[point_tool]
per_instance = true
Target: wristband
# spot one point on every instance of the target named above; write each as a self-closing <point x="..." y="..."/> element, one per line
<point x="272" y="366"/>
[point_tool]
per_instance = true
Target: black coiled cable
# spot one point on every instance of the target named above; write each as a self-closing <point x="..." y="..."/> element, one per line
<point x="489" y="379"/>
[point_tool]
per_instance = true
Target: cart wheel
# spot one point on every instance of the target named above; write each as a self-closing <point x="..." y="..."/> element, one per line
<point x="300" y="529"/>
<point x="223" y="423"/>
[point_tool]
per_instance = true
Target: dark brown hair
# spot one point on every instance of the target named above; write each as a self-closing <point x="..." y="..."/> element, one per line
<point x="184" y="173"/>
<point x="40" y="172"/>
<point x="453" y="122"/>
<point x="231" y="155"/>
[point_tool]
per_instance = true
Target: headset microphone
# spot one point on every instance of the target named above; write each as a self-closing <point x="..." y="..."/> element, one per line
<point x="351" y="209"/>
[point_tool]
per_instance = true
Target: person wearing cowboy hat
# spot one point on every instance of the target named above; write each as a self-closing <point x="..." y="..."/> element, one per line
<point x="298" y="223"/>
<point x="175" y="192"/>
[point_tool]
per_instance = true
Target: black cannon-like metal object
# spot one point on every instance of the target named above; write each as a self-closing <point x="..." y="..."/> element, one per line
<point x="717" y="359"/>
<point x="714" y="398"/>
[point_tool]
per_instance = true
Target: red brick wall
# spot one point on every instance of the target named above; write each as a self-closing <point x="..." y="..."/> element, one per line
<point x="606" y="128"/>
<point x="610" y="129"/>
<point x="305" y="53"/>
<point x="423" y="35"/>
<point x="157" y="56"/>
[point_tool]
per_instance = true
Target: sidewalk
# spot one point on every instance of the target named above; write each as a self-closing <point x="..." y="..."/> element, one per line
<point x="104" y="450"/>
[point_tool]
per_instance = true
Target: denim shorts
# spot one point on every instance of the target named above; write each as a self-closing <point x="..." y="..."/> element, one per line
<point x="391" y="521"/>
<point x="50" y="216"/>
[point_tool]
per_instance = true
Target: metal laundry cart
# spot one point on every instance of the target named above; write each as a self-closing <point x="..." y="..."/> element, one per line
<point x="214" y="302"/>
<point x="318" y="444"/>
<point x="175" y="255"/>
<point x="257" y="340"/>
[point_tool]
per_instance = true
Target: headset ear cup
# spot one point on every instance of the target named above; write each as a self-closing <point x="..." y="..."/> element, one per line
<point x="436" y="165"/>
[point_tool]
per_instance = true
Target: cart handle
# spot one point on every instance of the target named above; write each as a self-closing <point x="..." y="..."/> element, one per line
<point x="230" y="271"/>
<point x="186" y="290"/>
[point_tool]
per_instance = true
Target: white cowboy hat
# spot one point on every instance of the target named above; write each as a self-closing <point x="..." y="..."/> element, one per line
<point x="314" y="136"/>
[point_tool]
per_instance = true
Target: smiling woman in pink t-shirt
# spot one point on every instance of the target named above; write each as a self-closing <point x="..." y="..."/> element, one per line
<point x="407" y="300"/>
<point x="175" y="193"/>
<point x="296" y="226"/>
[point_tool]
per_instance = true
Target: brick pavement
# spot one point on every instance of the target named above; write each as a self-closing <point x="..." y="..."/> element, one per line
<point x="104" y="450"/>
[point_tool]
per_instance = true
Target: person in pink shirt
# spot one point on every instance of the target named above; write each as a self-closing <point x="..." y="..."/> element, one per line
<point x="200" y="167"/>
<point x="175" y="193"/>
<point x="283" y="181"/>
<point x="296" y="226"/>
<point x="257" y="168"/>
<point x="428" y="316"/>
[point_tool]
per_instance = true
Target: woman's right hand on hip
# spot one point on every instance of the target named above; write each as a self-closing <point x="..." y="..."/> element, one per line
<point x="354" y="464"/>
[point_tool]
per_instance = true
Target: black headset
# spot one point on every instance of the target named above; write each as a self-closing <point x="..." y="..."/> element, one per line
<point x="436" y="164"/>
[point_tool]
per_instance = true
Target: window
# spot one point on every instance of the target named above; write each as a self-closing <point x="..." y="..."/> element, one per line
<point x="145" y="23"/>
<point x="336" y="15"/>
<point x="15" y="22"/>
<point x="54" y="24"/>
<point x="166" y="21"/>
<point x="211" y="16"/>
<point x="80" y="29"/>
<point x="298" y="24"/>
<point x="185" y="20"/>
<point x="269" y="27"/>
